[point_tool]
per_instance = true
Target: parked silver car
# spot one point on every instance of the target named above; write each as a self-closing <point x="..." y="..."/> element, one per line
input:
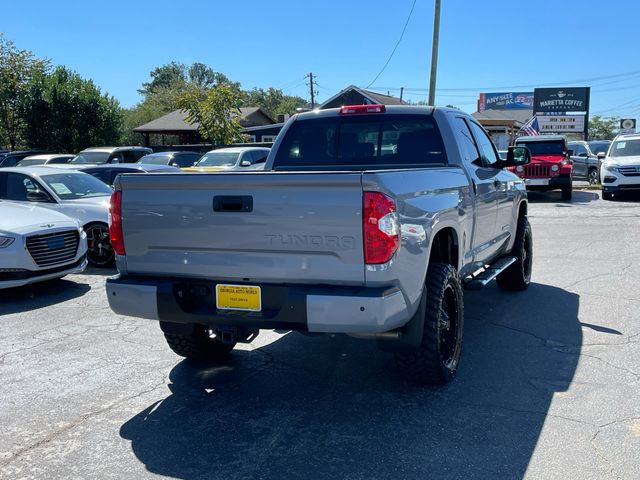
<point x="232" y="158"/>
<point x="100" y="155"/>
<point x="45" y="159"/>
<point x="38" y="244"/>
<point x="76" y="194"/>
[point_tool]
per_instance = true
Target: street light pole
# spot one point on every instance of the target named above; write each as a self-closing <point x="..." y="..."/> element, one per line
<point x="434" y="55"/>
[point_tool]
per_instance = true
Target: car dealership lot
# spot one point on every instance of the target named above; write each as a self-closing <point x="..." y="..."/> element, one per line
<point x="548" y="386"/>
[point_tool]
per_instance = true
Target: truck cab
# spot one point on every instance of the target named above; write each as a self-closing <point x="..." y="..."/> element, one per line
<point x="551" y="167"/>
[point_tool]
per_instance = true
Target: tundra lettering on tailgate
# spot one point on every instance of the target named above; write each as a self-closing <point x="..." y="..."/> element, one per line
<point x="319" y="241"/>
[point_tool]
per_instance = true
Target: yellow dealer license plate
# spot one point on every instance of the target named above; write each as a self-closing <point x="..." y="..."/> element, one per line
<point x="238" y="297"/>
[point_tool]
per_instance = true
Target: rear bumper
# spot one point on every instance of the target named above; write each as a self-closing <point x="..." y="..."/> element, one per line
<point x="326" y="309"/>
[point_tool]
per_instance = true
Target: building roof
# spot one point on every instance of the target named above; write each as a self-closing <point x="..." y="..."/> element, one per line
<point x="374" y="97"/>
<point x="506" y="116"/>
<point x="176" y="121"/>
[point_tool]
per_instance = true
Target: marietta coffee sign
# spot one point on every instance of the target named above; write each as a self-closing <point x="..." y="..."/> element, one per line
<point x="561" y="100"/>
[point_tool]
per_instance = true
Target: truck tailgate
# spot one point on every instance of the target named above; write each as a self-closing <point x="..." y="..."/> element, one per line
<point x="245" y="227"/>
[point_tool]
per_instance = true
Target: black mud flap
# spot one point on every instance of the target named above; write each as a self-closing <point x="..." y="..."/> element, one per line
<point x="410" y="336"/>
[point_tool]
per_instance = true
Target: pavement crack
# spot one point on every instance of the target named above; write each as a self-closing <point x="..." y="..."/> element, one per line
<point x="612" y="365"/>
<point x="522" y="410"/>
<point x="82" y="419"/>
<point x="601" y="456"/>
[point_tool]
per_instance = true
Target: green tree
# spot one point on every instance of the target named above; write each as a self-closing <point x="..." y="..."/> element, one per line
<point x="273" y="101"/>
<point x="290" y="103"/>
<point x="203" y="77"/>
<point x="215" y="111"/>
<point x="163" y="101"/>
<point x="168" y="82"/>
<point x="66" y="113"/>
<point x="601" y="128"/>
<point x="17" y="69"/>
<point x="178" y="77"/>
<point x="171" y="76"/>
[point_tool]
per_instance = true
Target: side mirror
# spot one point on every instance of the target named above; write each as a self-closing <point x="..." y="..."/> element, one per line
<point x="38" y="196"/>
<point x="245" y="163"/>
<point x="601" y="155"/>
<point x="517" y="156"/>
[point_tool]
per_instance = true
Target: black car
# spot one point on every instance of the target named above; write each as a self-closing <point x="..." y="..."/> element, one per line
<point x="10" y="159"/>
<point x="108" y="173"/>
<point x="174" y="159"/>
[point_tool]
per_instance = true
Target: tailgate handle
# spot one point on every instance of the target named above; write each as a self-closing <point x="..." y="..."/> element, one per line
<point x="233" y="203"/>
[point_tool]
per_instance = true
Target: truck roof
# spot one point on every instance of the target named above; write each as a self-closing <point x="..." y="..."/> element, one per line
<point x="401" y="109"/>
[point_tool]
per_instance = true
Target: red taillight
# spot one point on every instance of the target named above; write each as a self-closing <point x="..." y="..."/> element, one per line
<point x="381" y="227"/>
<point x="115" y="223"/>
<point x="354" y="109"/>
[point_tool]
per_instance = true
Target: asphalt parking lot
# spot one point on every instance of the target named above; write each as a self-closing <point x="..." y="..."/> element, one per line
<point x="548" y="386"/>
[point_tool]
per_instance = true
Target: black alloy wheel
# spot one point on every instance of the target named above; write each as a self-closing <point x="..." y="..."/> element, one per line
<point x="99" y="250"/>
<point x="449" y="329"/>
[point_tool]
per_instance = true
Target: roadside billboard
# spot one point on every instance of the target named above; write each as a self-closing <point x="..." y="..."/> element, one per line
<point x="562" y="109"/>
<point x="505" y="101"/>
<point x="558" y="101"/>
<point x="561" y="123"/>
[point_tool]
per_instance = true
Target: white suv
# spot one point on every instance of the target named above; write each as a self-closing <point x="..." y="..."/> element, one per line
<point x="621" y="167"/>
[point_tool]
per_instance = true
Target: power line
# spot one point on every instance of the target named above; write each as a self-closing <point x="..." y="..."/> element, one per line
<point x="394" y="48"/>
<point x="511" y="87"/>
<point x="288" y="84"/>
<point x="618" y="107"/>
<point x="290" y="89"/>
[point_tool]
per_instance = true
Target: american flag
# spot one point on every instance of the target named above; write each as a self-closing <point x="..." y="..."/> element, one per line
<point x="531" y="128"/>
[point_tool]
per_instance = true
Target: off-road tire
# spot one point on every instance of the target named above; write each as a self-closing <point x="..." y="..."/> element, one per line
<point x="518" y="275"/>
<point x="607" y="195"/>
<point x="567" y="193"/>
<point x="198" y="345"/>
<point x="592" y="176"/>
<point x="436" y="361"/>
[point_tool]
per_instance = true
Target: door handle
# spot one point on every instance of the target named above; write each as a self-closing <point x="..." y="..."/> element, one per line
<point x="231" y="203"/>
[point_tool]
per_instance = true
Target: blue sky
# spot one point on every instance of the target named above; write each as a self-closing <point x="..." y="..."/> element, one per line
<point x="484" y="45"/>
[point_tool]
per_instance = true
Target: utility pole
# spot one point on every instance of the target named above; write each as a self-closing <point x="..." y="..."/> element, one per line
<point x="434" y="54"/>
<point x="313" y="98"/>
<point x="401" y="92"/>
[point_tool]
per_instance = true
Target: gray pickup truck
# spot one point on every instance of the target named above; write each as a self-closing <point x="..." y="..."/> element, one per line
<point x="368" y="221"/>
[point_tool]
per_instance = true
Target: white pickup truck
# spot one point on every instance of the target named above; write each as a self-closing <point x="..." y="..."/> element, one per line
<point x="368" y="221"/>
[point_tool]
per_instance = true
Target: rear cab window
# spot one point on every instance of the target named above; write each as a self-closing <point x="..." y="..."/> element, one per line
<point x="360" y="142"/>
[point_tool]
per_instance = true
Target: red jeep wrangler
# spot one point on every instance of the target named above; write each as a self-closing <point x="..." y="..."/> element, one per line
<point x="550" y="167"/>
